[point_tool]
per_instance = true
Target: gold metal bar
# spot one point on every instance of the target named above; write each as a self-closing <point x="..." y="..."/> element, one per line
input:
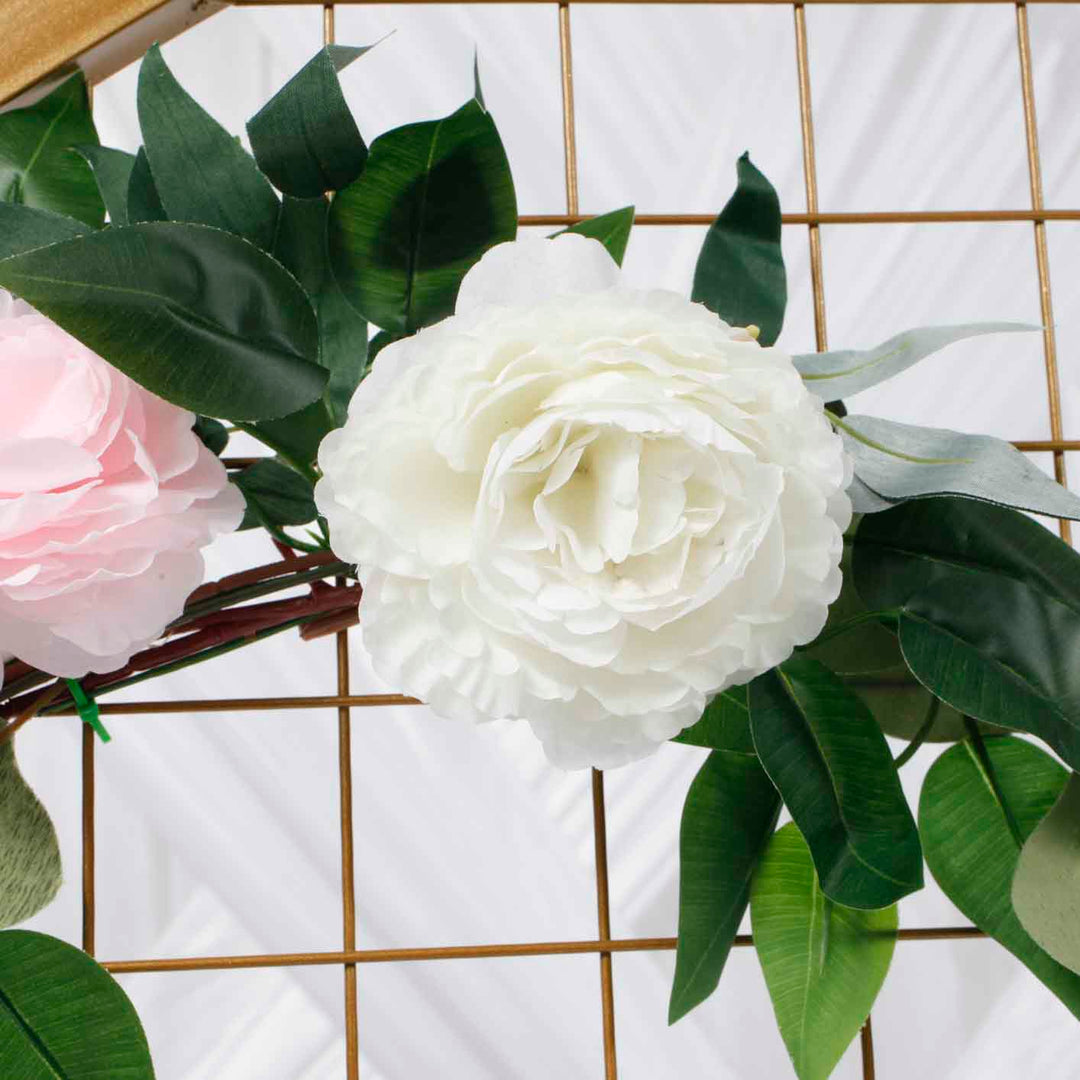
<point x="212" y="705"/>
<point x="1042" y="256"/>
<point x="569" y="140"/>
<point x="853" y="217"/>
<point x="467" y="952"/>
<point x="348" y="881"/>
<point x="603" y="913"/>
<point x="866" y="1045"/>
<point x="89" y="891"/>
<point x="328" y="24"/>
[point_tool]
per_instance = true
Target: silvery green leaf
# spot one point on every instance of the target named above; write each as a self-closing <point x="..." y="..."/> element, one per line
<point x="865" y="500"/>
<point x="838" y="374"/>
<point x="901" y="461"/>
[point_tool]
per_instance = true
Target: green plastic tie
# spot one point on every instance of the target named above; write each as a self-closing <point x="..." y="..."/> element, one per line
<point x="88" y="709"/>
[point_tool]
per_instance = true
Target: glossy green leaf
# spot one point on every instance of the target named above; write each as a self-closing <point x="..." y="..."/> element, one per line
<point x="112" y="173"/>
<point x="728" y="817"/>
<point x="612" y="230"/>
<point x="901" y="462"/>
<point x="845" y="372"/>
<point x="724" y="725"/>
<point x="974" y="815"/>
<point x="29" y="853"/>
<point x="1047" y="879"/>
<point x="304" y="138"/>
<point x="900" y="704"/>
<point x="37" y="165"/>
<point x="212" y="434"/>
<point x="144" y="202"/>
<point x="201" y="172"/>
<point x="740" y="271"/>
<point x="823" y="963"/>
<point x="828" y="758"/>
<point x="275" y="495"/>
<point x="198" y="316"/>
<point x="62" y="1017"/>
<point x="23" y="228"/>
<point x="478" y="90"/>
<point x="431" y="200"/>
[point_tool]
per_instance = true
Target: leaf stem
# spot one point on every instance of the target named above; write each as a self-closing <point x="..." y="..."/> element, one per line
<point x="921" y="735"/>
<point x="987" y="767"/>
<point x="885" y="615"/>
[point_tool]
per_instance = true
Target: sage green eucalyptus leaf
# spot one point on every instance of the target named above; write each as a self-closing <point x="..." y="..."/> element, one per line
<point x="900" y="462"/>
<point x="144" y="202"/>
<point x="823" y="963"/>
<point x="30" y="871"/>
<point x="37" y="164"/>
<point x="612" y="230"/>
<point x="976" y="811"/>
<point x="62" y="1017"/>
<point x="724" y="725"/>
<point x="819" y="744"/>
<point x="431" y="200"/>
<point x="23" y="228"/>
<point x="201" y="172"/>
<point x="304" y="138"/>
<point x="275" y="495"/>
<point x="729" y="815"/>
<point x="112" y="173"/>
<point x="198" y="316"/>
<point x="740" y="271"/>
<point x="840" y="374"/>
<point x="1047" y="879"/>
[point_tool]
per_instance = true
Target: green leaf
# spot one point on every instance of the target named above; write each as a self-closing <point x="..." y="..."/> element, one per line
<point x="195" y="315"/>
<point x="612" y="230"/>
<point x="63" y="1016"/>
<point x="724" y="725"/>
<point x="729" y="815"/>
<point x="37" y="165"/>
<point x="900" y="462"/>
<point x="201" y="172"/>
<point x="212" y="433"/>
<point x="431" y="200"/>
<point x="740" y="271"/>
<point x="823" y="963"/>
<point x="30" y="871"/>
<point x="478" y="90"/>
<point x="900" y="704"/>
<point x="1047" y="879"/>
<point x="839" y="374"/>
<point x="972" y="847"/>
<point x="304" y="138"/>
<point x="144" y="202"/>
<point x="822" y="749"/>
<point x="275" y="495"/>
<point x="112" y="172"/>
<point x="23" y="228"/>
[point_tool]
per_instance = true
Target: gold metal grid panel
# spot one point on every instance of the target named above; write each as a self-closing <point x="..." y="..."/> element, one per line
<point x="343" y="701"/>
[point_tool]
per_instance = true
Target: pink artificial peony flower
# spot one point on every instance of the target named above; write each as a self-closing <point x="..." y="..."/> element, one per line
<point x="106" y="498"/>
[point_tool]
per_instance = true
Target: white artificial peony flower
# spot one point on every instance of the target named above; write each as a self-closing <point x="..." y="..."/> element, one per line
<point x="583" y="505"/>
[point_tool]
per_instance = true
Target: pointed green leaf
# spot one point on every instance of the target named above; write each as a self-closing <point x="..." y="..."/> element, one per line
<point x="37" y="165"/>
<point x="478" y="90"/>
<point x="740" y="271"/>
<point x="212" y="434"/>
<point x="144" y="202"/>
<point x="29" y="853"/>
<point x="974" y="814"/>
<point x="275" y="495"/>
<point x="431" y="200"/>
<point x="23" y="228"/>
<point x="197" y="316"/>
<point x="845" y="372"/>
<point x="201" y="172"/>
<point x="822" y="749"/>
<point x="112" y="173"/>
<point x="612" y="230"/>
<point x="724" y="725"/>
<point x="304" y="138"/>
<point x="729" y="815"/>
<point x="823" y="963"/>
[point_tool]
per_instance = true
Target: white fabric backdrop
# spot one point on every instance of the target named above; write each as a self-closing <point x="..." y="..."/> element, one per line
<point x="220" y="834"/>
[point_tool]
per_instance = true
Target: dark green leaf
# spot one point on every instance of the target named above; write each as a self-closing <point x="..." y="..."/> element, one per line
<point x="23" y="228"/>
<point x="212" y="433"/>
<point x="431" y="200"/>
<point x="275" y="495"/>
<point x="822" y="749"/>
<point x="29" y="853"/>
<point x="724" y="725"/>
<point x="295" y="437"/>
<point x="478" y="91"/>
<point x="740" y="271"/>
<point x="304" y="138"/>
<point x="195" y="315"/>
<point x="970" y="844"/>
<point x="729" y="815"/>
<point x="144" y="202"/>
<point x="201" y="172"/>
<point x="900" y="704"/>
<point x="824" y="964"/>
<point x="63" y="1016"/>
<point x="379" y="342"/>
<point x="37" y="165"/>
<point x="1047" y="880"/>
<point x="612" y="230"/>
<point x="112" y="172"/>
